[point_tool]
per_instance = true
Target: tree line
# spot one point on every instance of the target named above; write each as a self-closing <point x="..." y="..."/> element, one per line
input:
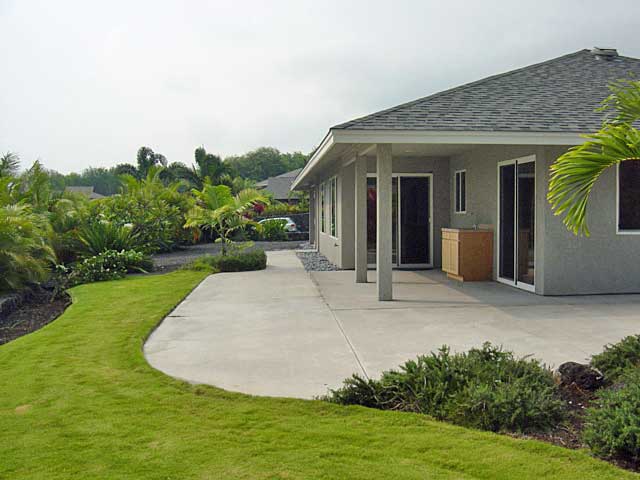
<point x="238" y="172"/>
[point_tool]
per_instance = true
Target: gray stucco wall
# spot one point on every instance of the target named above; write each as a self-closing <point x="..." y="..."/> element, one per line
<point x="605" y="262"/>
<point x="481" y="164"/>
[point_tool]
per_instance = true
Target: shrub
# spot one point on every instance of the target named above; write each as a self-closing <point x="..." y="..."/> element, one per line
<point x="273" y="230"/>
<point x="235" y="262"/>
<point x="109" y="265"/>
<point x="102" y="236"/>
<point x="618" y="357"/>
<point x="25" y="254"/>
<point x="486" y="388"/>
<point x="612" y="425"/>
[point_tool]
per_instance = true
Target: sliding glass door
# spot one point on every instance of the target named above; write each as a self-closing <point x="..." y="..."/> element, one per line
<point x="411" y="221"/>
<point x="516" y="222"/>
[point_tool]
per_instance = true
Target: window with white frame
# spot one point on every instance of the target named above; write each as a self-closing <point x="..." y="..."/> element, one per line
<point x="460" y="191"/>
<point x="629" y="196"/>
<point x="323" y="224"/>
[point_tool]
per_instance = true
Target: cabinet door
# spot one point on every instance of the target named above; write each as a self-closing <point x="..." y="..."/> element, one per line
<point x="455" y="257"/>
<point x="446" y="255"/>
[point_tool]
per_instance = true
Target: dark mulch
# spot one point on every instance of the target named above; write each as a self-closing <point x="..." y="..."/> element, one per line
<point x="35" y="313"/>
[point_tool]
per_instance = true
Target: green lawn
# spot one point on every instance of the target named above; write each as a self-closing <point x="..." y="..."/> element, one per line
<point x="78" y="400"/>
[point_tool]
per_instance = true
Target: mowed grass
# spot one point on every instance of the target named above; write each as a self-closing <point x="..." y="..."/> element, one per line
<point x="78" y="400"/>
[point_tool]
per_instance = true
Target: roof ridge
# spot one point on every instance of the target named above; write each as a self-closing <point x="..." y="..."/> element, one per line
<point x="457" y="88"/>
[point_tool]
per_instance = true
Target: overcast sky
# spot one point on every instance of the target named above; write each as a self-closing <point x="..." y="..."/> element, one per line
<point x="85" y="83"/>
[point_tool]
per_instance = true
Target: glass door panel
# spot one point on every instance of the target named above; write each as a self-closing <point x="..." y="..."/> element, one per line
<point x="526" y="222"/>
<point x="372" y="220"/>
<point x="507" y="201"/>
<point x="414" y="220"/>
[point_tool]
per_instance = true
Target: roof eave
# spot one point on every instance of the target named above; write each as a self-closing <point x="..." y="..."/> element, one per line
<point x="339" y="136"/>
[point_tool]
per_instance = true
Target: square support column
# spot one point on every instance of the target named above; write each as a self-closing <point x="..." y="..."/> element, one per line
<point x="384" y="221"/>
<point x="360" y="220"/>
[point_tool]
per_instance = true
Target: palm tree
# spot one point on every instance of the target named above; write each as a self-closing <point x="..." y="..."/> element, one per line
<point x="221" y="212"/>
<point x="25" y="254"/>
<point x="574" y="174"/>
<point x="208" y="166"/>
<point x="9" y="164"/>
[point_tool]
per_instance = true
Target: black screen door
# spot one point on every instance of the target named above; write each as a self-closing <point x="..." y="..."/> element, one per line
<point x="507" y="221"/>
<point x="414" y="220"/>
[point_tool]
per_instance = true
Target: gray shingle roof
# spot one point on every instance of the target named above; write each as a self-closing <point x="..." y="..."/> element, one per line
<point x="558" y="95"/>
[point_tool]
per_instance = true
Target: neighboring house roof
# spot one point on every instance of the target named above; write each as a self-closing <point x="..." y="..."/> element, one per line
<point x="559" y="95"/>
<point x="86" y="191"/>
<point x="280" y="186"/>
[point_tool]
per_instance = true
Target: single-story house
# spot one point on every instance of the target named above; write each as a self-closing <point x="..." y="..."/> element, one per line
<point x="402" y="187"/>
<point x="280" y="186"/>
<point x="86" y="191"/>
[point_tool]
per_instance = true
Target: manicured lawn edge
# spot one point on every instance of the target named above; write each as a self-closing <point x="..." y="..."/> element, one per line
<point x="80" y="401"/>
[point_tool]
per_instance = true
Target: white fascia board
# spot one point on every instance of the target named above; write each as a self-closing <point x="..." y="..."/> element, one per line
<point x="325" y="146"/>
<point x="455" y="137"/>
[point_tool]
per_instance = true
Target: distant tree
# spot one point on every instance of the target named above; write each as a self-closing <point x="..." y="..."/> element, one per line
<point x="176" y="171"/>
<point x="125" y="169"/>
<point x="9" y="164"/>
<point x="208" y="166"/>
<point x="266" y="162"/>
<point x="147" y="158"/>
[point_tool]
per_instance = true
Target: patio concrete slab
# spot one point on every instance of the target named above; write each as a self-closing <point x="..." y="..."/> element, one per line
<point x="263" y="333"/>
<point x="284" y="332"/>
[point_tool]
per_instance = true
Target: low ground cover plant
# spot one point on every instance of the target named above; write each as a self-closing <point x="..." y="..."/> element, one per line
<point x="109" y="265"/>
<point x="486" y="388"/>
<point x="613" y="422"/>
<point x="618" y="358"/>
<point x="236" y="261"/>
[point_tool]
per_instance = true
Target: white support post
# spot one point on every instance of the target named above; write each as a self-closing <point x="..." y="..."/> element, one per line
<point x="361" y="219"/>
<point x="384" y="220"/>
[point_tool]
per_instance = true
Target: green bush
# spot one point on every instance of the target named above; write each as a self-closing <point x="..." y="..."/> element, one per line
<point x="618" y="358"/>
<point x="486" y="388"/>
<point x="612" y="424"/>
<point x="235" y="262"/>
<point x="102" y="236"/>
<point x="109" y="265"/>
<point x="273" y="230"/>
<point x="25" y="253"/>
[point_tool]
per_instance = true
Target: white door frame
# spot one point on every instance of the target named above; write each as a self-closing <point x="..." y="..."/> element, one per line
<point x="514" y="282"/>
<point x="398" y="263"/>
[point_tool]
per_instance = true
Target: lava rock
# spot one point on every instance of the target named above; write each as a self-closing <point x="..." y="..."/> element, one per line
<point x="582" y="376"/>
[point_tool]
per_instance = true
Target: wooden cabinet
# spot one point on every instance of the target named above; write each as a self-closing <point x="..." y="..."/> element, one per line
<point x="467" y="255"/>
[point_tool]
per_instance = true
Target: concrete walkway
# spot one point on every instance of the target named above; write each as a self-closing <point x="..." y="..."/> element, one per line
<point x="264" y="333"/>
<point x="284" y="332"/>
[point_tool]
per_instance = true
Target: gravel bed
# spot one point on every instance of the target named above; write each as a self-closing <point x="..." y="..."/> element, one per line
<point x="316" y="262"/>
<point x="164" y="262"/>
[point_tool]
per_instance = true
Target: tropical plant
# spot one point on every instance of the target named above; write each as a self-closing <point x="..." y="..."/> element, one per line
<point x="9" y="164"/>
<point x="102" y="236"/>
<point x="155" y="211"/>
<point x="25" y="255"/>
<point x="221" y="212"/>
<point x="574" y="174"/>
<point x="67" y="215"/>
